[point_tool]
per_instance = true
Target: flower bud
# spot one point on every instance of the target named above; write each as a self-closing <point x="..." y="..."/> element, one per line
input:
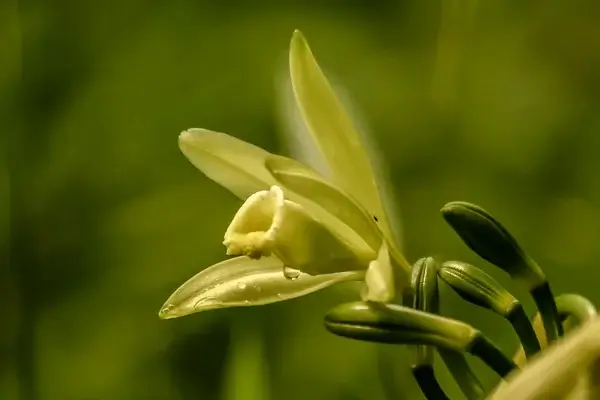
<point x="389" y="323"/>
<point x="492" y="242"/>
<point x="477" y="287"/>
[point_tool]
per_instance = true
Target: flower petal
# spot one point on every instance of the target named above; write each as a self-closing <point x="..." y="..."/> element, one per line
<point x="241" y="168"/>
<point x="555" y="372"/>
<point x="379" y="279"/>
<point x="230" y="162"/>
<point x="268" y="224"/>
<point x="294" y="176"/>
<point x="334" y="131"/>
<point x="242" y="281"/>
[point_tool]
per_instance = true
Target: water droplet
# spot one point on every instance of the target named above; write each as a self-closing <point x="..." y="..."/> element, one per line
<point x="241" y="285"/>
<point x="290" y="273"/>
<point x="257" y="288"/>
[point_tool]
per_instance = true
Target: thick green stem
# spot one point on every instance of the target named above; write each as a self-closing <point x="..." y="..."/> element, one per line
<point x="462" y="373"/>
<point x="492" y="356"/>
<point x="544" y="300"/>
<point x="524" y="330"/>
<point x="429" y="385"/>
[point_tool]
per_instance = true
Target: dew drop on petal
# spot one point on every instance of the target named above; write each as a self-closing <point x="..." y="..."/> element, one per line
<point x="290" y="273"/>
<point x="241" y="285"/>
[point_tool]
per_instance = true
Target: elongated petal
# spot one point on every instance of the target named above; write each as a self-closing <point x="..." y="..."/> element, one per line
<point x="333" y="130"/>
<point x="556" y="372"/>
<point x="242" y="281"/>
<point x="242" y="168"/>
<point x="295" y="177"/>
<point x="379" y="279"/>
<point x="230" y="162"/>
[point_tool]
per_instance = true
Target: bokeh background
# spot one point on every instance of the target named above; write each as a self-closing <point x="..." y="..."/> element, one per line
<point x="496" y="103"/>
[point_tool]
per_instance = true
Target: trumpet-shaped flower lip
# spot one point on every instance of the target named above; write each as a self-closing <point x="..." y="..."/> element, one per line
<point x="254" y="226"/>
<point x="267" y="223"/>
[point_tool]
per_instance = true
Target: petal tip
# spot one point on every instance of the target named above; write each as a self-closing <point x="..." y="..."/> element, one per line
<point x="166" y="311"/>
<point x="185" y="138"/>
<point x="188" y="134"/>
<point x="298" y="43"/>
<point x="297" y="35"/>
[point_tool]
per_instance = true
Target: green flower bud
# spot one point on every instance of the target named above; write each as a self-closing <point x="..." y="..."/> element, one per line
<point x="477" y="287"/>
<point x="492" y="242"/>
<point x="389" y="323"/>
<point x="425" y="285"/>
<point x="426" y="298"/>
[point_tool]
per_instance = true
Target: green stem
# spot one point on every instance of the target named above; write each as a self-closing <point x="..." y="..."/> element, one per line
<point x="524" y="330"/>
<point x="544" y="300"/>
<point x="492" y="356"/>
<point x="462" y="373"/>
<point x="576" y="306"/>
<point x="429" y="385"/>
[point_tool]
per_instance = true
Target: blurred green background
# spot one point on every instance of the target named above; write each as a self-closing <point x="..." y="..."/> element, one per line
<point x="496" y="103"/>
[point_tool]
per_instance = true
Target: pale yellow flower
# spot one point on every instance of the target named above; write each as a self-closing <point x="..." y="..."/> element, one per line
<point x="296" y="231"/>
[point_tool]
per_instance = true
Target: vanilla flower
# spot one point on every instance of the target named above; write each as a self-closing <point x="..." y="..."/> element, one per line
<point x="296" y="232"/>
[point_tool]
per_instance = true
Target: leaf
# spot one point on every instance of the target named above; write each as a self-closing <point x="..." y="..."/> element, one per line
<point x="333" y="131"/>
<point x="242" y="281"/>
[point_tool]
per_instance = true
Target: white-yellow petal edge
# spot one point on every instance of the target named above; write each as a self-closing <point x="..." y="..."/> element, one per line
<point x="379" y="279"/>
<point x="557" y="372"/>
<point x="242" y="281"/>
<point x="334" y="132"/>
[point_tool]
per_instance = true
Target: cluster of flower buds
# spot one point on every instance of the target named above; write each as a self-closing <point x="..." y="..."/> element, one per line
<point x="297" y="232"/>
